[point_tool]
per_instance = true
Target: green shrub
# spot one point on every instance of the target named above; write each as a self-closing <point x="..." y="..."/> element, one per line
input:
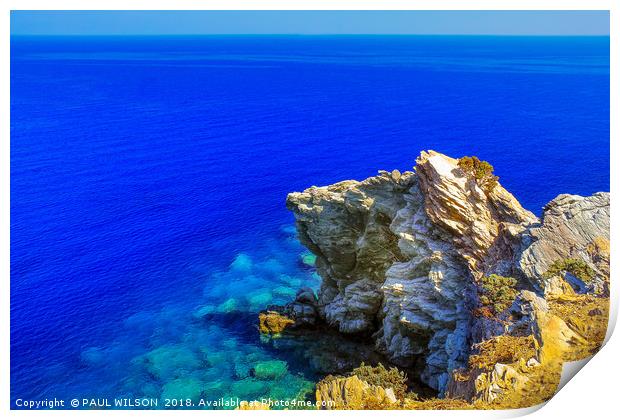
<point x="481" y="170"/>
<point x="380" y="376"/>
<point x="575" y="266"/>
<point x="498" y="292"/>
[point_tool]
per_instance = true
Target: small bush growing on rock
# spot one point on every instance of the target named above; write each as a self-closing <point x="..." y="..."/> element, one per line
<point x="481" y="170"/>
<point x="380" y="376"/>
<point x="575" y="266"/>
<point x="498" y="292"/>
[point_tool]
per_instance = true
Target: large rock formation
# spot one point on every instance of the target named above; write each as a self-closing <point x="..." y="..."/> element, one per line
<point x="347" y="226"/>
<point x="401" y="256"/>
<point x="481" y="223"/>
<point x="572" y="227"/>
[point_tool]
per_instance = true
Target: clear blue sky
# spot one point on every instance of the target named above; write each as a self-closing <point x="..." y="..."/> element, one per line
<point x="309" y="22"/>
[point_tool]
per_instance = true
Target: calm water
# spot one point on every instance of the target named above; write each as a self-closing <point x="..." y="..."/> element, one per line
<point x="148" y="179"/>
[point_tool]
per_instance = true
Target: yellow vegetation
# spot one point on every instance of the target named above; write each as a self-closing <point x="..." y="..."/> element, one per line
<point x="587" y="316"/>
<point x="271" y="322"/>
<point x="506" y="371"/>
<point x="504" y="349"/>
<point x="385" y="378"/>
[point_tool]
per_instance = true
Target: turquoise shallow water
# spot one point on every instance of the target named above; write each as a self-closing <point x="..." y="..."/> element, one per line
<point x="211" y="348"/>
<point x="149" y="176"/>
<point x="207" y="345"/>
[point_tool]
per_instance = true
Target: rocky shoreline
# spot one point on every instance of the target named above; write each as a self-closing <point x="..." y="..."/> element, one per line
<point x="451" y="278"/>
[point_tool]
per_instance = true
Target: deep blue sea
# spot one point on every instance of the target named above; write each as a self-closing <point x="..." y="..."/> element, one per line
<point x="149" y="176"/>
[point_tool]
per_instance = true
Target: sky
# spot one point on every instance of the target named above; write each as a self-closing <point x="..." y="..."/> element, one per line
<point x="201" y="22"/>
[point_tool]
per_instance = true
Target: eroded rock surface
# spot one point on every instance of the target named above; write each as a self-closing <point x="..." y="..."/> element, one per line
<point x="480" y="223"/>
<point x="352" y="393"/>
<point x="347" y="226"/>
<point x="401" y="256"/>
<point x="572" y="227"/>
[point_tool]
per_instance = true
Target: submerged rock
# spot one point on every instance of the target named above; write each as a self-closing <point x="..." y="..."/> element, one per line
<point x="242" y="263"/>
<point x="249" y="388"/>
<point x="93" y="356"/>
<point x="182" y="388"/>
<point x="230" y="305"/>
<point x="170" y="361"/>
<point x="308" y="259"/>
<point x="284" y="291"/>
<point x="260" y="299"/>
<point x="203" y="311"/>
<point x="270" y="370"/>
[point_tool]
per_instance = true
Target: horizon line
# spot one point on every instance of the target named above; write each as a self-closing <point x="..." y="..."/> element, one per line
<point x="310" y="35"/>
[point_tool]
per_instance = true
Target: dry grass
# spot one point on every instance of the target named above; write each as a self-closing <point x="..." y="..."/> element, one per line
<point x="385" y="378"/>
<point x="504" y="349"/>
<point x="541" y="386"/>
<point x="586" y="315"/>
<point x="438" y="404"/>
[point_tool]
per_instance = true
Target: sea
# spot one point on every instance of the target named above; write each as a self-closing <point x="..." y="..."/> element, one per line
<point x="149" y="177"/>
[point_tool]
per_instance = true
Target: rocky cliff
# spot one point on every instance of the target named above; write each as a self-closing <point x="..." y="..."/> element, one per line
<point x="403" y="256"/>
<point x="571" y="227"/>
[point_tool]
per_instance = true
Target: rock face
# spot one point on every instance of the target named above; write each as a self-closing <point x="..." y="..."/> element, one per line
<point x="572" y="227"/>
<point x="300" y="313"/>
<point x="347" y="226"/>
<point x="400" y="256"/>
<point x="480" y="223"/>
<point x="541" y="334"/>
<point x="353" y="394"/>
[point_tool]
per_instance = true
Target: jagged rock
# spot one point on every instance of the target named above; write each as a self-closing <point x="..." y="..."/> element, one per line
<point x="598" y="250"/>
<point x="557" y="286"/>
<point x="524" y="313"/>
<point x="516" y="379"/>
<point x="394" y="249"/>
<point x="346" y="225"/>
<point x="400" y="255"/>
<point x="555" y="337"/>
<point x="532" y="363"/>
<point x="353" y="394"/>
<point x="571" y="226"/>
<point x="482" y="224"/>
<point x="304" y="314"/>
<point x="306" y="295"/>
<point x="502" y="379"/>
<point x="382" y="260"/>
<point x="301" y="312"/>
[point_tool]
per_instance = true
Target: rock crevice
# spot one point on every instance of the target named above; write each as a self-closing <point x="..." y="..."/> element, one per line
<point x="401" y="256"/>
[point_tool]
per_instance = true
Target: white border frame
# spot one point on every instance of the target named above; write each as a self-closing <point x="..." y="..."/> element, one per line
<point x="593" y="394"/>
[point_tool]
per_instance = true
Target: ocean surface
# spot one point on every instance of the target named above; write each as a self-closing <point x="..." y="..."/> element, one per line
<point x="149" y="176"/>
